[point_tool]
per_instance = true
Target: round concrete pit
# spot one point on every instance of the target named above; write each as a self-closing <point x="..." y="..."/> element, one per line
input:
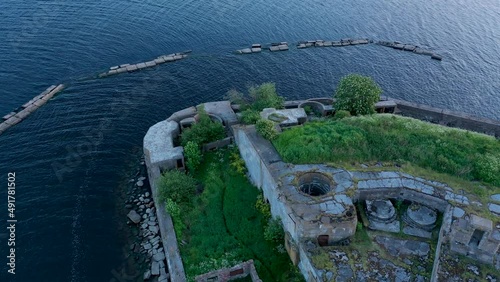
<point x="381" y="210"/>
<point x="314" y="184"/>
<point x="422" y="216"/>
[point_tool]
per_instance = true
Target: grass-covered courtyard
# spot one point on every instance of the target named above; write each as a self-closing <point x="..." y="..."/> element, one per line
<point x="222" y="226"/>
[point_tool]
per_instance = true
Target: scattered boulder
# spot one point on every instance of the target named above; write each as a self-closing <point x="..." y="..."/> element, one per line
<point x="155" y="268"/>
<point x="147" y="275"/>
<point x="159" y="256"/>
<point x="134" y="216"/>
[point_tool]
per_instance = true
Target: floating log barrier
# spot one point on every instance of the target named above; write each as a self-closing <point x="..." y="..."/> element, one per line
<point x="436" y="57"/>
<point x="281" y="46"/>
<point x="410" y="48"/>
<point x="323" y="43"/>
<point x="255" y="48"/>
<point x="160" y="60"/>
<point x="32" y="105"/>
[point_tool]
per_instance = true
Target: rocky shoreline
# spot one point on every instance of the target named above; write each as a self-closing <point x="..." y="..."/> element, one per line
<point x="148" y="248"/>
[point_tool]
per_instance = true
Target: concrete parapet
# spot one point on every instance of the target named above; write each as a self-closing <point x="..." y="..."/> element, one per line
<point x="167" y="232"/>
<point x="316" y="106"/>
<point x="223" y="110"/>
<point x="449" y="118"/>
<point x="159" y="147"/>
<point x="182" y="114"/>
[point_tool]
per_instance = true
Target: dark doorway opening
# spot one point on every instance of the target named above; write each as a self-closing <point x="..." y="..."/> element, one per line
<point x="323" y="240"/>
<point x="476" y="238"/>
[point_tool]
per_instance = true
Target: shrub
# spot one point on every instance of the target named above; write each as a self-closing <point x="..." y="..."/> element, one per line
<point x="487" y="168"/>
<point x="249" y="116"/>
<point x="175" y="211"/>
<point x="203" y="131"/>
<point x="258" y="97"/>
<point x="236" y="97"/>
<point x="237" y="163"/>
<point x="265" y="96"/>
<point x="177" y="186"/>
<point x="340" y="114"/>
<point x="357" y="94"/>
<point x="263" y="207"/>
<point x="193" y="156"/>
<point x="266" y="128"/>
<point x="274" y="231"/>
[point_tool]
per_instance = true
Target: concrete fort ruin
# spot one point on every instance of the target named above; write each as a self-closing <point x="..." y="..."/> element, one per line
<point x="319" y="205"/>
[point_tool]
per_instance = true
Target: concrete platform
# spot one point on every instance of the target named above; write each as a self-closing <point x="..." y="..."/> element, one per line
<point x="222" y="110"/>
<point x="159" y="147"/>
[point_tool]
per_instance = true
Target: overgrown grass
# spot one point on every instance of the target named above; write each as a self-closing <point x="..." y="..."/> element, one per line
<point x="223" y="227"/>
<point x="388" y="138"/>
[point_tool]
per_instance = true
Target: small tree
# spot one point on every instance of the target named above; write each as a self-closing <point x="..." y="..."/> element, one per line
<point x="177" y="186"/>
<point x="274" y="231"/>
<point x="340" y="114"/>
<point x="249" y="116"/>
<point x="265" y="96"/>
<point x="257" y="99"/>
<point x="193" y="156"/>
<point x="203" y="131"/>
<point x="357" y="94"/>
<point x="266" y="128"/>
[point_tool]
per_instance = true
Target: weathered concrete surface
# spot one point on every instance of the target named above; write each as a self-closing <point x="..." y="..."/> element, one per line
<point x="285" y="117"/>
<point x="398" y="247"/>
<point x="159" y="147"/>
<point x="223" y="110"/>
<point x="182" y="114"/>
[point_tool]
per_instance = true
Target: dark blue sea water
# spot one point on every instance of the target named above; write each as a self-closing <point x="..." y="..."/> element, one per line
<point x="73" y="156"/>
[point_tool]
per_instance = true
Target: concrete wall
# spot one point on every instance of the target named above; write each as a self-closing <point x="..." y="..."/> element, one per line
<point x="403" y="194"/>
<point x="443" y="233"/>
<point x="168" y="238"/>
<point x="238" y="271"/>
<point x="260" y="176"/>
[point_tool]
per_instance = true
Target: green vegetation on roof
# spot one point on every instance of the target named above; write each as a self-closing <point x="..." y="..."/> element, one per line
<point x="389" y="138"/>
